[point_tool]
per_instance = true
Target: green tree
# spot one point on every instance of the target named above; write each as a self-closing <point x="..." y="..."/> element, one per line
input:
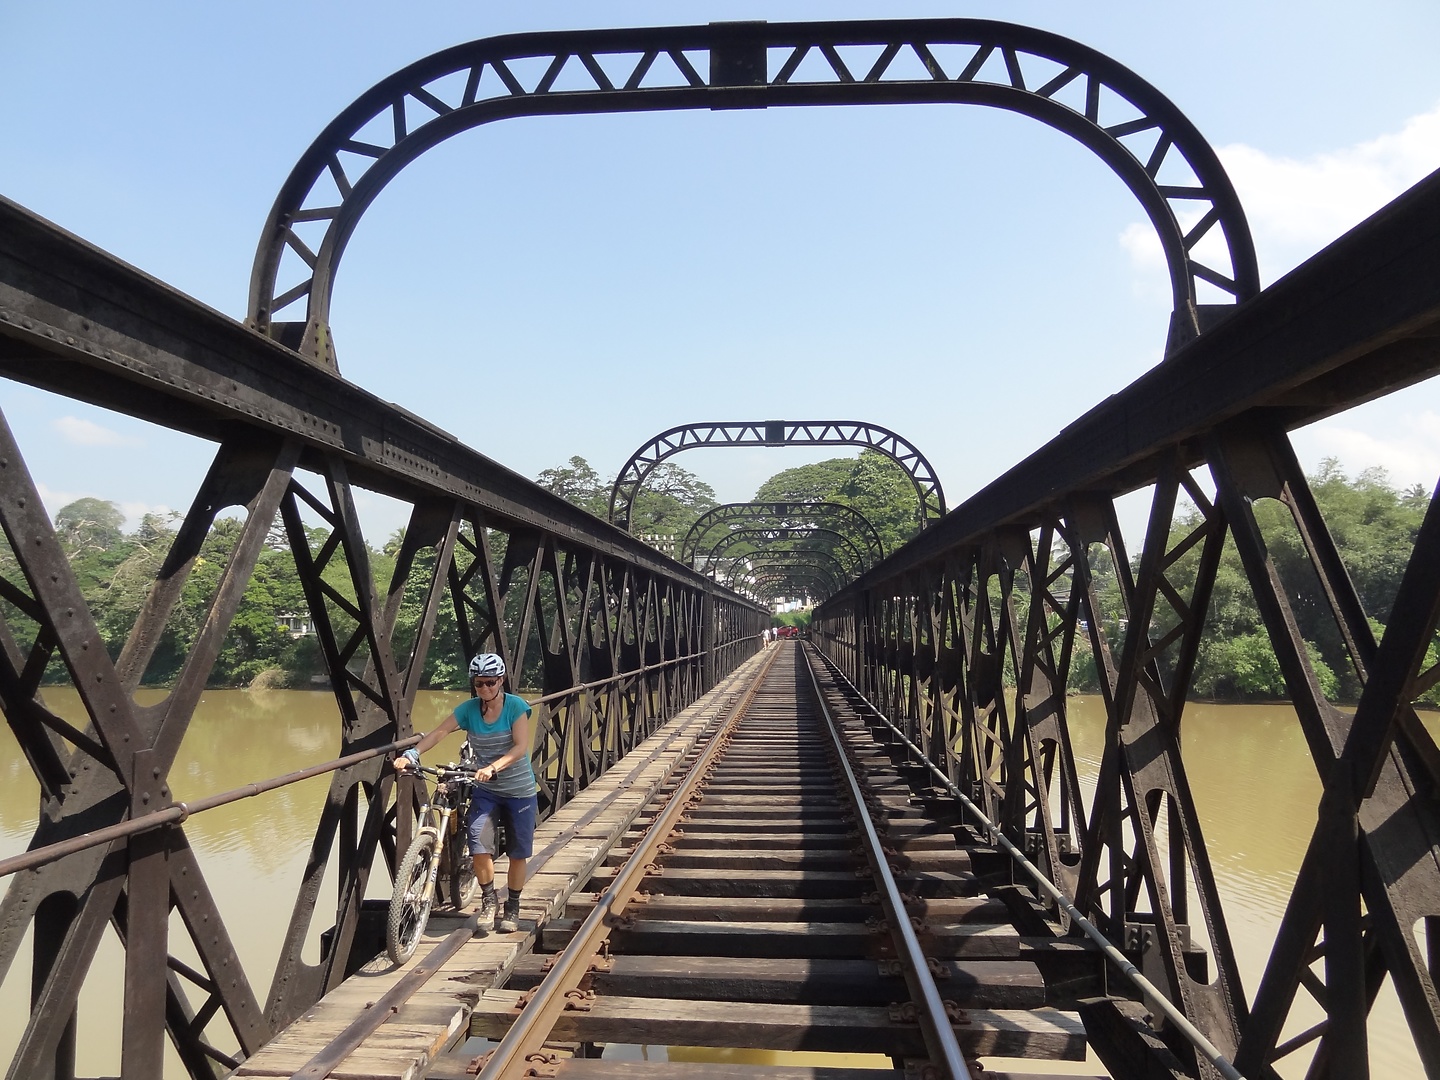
<point x="872" y="483"/>
<point x="87" y="525"/>
<point x="819" y="482"/>
<point x="667" y="504"/>
<point x="1374" y="527"/>
<point x="578" y="483"/>
<point x="882" y="490"/>
<point x="669" y="501"/>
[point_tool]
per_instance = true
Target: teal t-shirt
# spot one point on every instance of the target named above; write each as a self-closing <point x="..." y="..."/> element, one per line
<point x="489" y="741"/>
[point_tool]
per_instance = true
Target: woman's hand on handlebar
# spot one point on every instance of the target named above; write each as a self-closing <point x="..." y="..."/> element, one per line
<point x="485" y="772"/>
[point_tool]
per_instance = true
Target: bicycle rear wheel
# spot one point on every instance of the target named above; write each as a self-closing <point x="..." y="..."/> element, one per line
<point x="410" y="902"/>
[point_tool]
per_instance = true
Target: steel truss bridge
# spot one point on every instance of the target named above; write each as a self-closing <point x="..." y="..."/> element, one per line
<point x="628" y="640"/>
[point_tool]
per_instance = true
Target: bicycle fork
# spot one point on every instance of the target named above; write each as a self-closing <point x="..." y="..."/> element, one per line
<point x="442" y="835"/>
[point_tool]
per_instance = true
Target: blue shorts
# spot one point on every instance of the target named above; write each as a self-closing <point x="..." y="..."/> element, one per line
<point x="519" y="811"/>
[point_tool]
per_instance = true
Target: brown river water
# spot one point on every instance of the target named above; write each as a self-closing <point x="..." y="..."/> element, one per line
<point x="1255" y="789"/>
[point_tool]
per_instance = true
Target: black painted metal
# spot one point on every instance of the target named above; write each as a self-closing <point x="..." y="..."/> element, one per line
<point x="727" y="516"/>
<point x="527" y="574"/>
<point x="667" y="444"/>
<point x="967" y="636"/>
<point x="622" y="636"/>
<point x="1124" y="120"/>
<point x="826" y="540"/>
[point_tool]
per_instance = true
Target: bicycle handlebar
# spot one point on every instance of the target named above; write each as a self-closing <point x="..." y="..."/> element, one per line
<point x="446" y="773"/>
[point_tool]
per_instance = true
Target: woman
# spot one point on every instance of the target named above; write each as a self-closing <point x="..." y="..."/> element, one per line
<point x="497" y="727"/>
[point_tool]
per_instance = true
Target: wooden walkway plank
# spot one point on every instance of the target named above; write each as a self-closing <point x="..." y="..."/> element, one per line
<point x="1037" y="1033"/>
<point x="991" y="984"/>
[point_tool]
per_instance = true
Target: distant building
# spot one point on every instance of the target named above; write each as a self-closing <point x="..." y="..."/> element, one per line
<point x="296" y="625"/>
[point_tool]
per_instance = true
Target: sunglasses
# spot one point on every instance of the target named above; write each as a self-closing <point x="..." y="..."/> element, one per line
<point x="487" y="682"/>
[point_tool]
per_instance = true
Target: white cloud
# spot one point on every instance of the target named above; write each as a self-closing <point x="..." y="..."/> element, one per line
<point x="1152" y="279"/>
<point x="1410" y="454"/>
<point x="54" y="500"/>
<point x="88" y="433"/>
<point x="134" y="511"/>
<point x="1296" y="206"/>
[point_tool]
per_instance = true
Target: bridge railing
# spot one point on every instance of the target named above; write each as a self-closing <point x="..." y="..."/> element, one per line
<point x="617" y="636"/>
<point x="965" y="639"/>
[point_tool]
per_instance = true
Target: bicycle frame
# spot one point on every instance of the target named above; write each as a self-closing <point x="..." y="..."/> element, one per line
<point x="418" y="871"/>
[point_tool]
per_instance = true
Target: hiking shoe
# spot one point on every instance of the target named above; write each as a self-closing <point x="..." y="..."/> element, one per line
<point x="510" y="921"/>
<point x="486" y="917"/>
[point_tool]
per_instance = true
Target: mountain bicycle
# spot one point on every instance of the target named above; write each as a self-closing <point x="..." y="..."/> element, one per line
<point x="439" y="840"/>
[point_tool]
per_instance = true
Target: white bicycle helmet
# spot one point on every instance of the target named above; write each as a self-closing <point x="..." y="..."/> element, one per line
<point x="486" y="665"/>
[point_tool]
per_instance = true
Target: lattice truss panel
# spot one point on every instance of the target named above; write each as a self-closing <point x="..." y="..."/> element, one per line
<point x="1150" y="145"/>
<point x="971" y="653"/>
<point x="618" y="649"/>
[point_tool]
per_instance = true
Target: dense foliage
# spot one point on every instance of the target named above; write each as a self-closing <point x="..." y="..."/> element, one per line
<point x="873" y="484"/>
<point x="1374" y="525"/>
<point x="115" y="571"/>
<point x="667" y="504"/>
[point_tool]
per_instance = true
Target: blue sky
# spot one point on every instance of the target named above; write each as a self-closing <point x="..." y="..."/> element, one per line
<point x="558" y="286"/>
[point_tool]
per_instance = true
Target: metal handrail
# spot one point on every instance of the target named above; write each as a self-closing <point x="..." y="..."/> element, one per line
<point x="1148" y="990"/>
<point x="180" y="811"/>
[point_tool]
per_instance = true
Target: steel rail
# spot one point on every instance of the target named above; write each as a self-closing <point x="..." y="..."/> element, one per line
<point x="333" y="1053"/>
<point x="1148" y="990"/>
<point x="180" y="811"/>
<point x="935" y="1023"/>
<point x="537" y="1019"/>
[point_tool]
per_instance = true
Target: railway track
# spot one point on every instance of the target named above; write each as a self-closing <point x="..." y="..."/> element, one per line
<point x="789" y="892"/>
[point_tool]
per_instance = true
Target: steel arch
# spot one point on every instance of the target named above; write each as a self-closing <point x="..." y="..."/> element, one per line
<point x="777" y="433"/>
<point x="767" y="583"/>
<point x="834" y="574"/>
<point x="855" y="563"/>
<point x="1075" y="89"/>
<point x="780" y="513"/>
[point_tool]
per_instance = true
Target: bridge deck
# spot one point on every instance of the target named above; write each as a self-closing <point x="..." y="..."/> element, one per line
<point x="568" y="848"/>
<point x="757" y="932"/>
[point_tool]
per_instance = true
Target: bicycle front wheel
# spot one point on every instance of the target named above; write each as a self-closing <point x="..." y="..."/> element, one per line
<point x="410" y="902"/>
